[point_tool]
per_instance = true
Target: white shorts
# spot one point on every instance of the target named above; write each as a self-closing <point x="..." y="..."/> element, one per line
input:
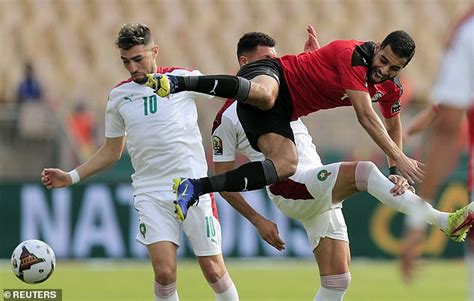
<point x="319" y="216"/>
<point x="157" y="222"/>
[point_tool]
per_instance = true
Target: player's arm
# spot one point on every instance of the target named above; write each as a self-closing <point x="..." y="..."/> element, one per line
<point x="371" y="122"/>
<point x="421" y="121"/>
<point x="109" y="153"/>
<point x="394" y="130"/>
<point x="312" y="42"/>
<point x="267" y="229"/>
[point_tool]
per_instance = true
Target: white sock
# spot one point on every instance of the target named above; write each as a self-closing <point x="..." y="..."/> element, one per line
<point x="229" y="295"/>
<point x="166" y="292"/>
<point x="225" y="289"/>
<point x="173" y="297"/>
<point x="325" y="294"/>
<point x="370" y="179"/>
<point x="333" y="287"/>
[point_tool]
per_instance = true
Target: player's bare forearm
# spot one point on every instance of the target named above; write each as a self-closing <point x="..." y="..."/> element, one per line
<point x="267" y="229"/>
<point x="409" y="168"/>
<point x="371" y="122"/>
<point x="109" y="153"/>
<point x="237" y="201"/>
<point x="104" y="157"/>
<point x="394" y="129"/>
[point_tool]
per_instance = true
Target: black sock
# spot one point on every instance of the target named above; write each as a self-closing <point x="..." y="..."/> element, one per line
<point x="226" y="86"/>
<point x="250" y="176"/>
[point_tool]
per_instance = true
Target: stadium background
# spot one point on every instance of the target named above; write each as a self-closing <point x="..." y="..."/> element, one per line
<point x="71" y="45"/>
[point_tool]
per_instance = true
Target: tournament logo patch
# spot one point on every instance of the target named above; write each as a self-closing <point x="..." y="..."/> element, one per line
<point x="396" y="107"/>
<point x="377" y="96"/>
<point x="323" y="175"/>
<point x="217" y="147"/>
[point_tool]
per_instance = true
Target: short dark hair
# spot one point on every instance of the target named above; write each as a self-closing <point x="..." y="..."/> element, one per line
<point x="401" y="43"/>
<point x="133" y="34"/>
<point x="251" y="40"/>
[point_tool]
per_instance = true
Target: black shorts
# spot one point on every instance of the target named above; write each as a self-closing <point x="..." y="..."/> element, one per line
<point x="256" y="122"/>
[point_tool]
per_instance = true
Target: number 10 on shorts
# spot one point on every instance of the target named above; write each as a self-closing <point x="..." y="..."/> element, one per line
<point x="210" y="228"/>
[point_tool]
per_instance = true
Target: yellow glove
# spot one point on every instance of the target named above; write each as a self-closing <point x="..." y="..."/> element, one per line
<point x="159" y="83"/>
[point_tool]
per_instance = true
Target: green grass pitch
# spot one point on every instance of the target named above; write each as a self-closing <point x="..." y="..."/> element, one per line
<point x="261" y="280"/>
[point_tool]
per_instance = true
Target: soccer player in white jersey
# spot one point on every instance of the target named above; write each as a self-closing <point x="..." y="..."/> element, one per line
<point x="148" y="124"/>
<point x="315" y="193"/>
<point x="453" y="94"/>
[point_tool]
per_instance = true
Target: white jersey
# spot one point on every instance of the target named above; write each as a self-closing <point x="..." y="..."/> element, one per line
<point x="455" y="83"/>
<point x="163" y="137"/>
<point x="307" y="195"/>
<point x="229" y="137"/>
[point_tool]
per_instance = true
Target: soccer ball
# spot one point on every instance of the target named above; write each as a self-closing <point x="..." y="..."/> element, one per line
<point x="33" y="261"/>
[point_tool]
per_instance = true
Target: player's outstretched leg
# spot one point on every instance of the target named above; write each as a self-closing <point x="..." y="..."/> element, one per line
<point x="226" y="86"/>
<point x="459" y="223"/>
<point x="250" y="176"/>
<point x="455" y="225"/>
<point x="369" y="178"/>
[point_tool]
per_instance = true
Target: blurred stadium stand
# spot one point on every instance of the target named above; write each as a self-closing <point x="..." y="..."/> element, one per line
<point x="71" y="43"/>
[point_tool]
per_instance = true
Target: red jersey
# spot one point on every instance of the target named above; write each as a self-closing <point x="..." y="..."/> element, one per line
<point x="317" y="80"/>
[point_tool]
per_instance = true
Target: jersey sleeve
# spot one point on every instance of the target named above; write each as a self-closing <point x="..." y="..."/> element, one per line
<point x="353" y="77"/>
<point x="224" y="141"/>
<point x="454" y="85"/>
<point x="114" y="124"/>
<point x="390" y="105"/>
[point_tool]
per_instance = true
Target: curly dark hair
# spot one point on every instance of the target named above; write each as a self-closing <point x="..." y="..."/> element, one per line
<point x="401" y="43"/>
<point x="133" y="34"/>
<point x="250" y="41"/>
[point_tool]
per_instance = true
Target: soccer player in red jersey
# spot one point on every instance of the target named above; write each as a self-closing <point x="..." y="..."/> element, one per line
<point x="273" y="92"/>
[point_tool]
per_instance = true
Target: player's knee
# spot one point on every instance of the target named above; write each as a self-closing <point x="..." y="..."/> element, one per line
<point x="366" y="165"/>
<point x="291" y="168"/>
<point x="220" y="283"/>
<point x="362" y="172"/>
<point x="339" y="282"/>
<point x="213" y="276"/>
<point x="164" y="275"/>
<point x="267" y="102"/>
<point x="286" y="168"/>
<point x="265" y="98"/>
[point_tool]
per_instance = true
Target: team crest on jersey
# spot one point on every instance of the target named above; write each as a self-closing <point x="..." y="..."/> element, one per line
<point x="396" y="107"/>
<point x="323" y="175"/>
<point x="217" y="147"/>
<point x="143" y="229"/>
<point x="377" y="96"/>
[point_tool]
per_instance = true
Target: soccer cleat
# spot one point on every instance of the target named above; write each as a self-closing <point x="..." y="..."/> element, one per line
<point x="186" y="196"/>
<point x="459" y="223"/>
<point x="162" y="84"/>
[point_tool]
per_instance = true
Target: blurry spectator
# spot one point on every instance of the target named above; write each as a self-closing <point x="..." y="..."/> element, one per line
<point x="29" y="89"/>
<point x="82" y="127"/>
<point x="33" y="117"/>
